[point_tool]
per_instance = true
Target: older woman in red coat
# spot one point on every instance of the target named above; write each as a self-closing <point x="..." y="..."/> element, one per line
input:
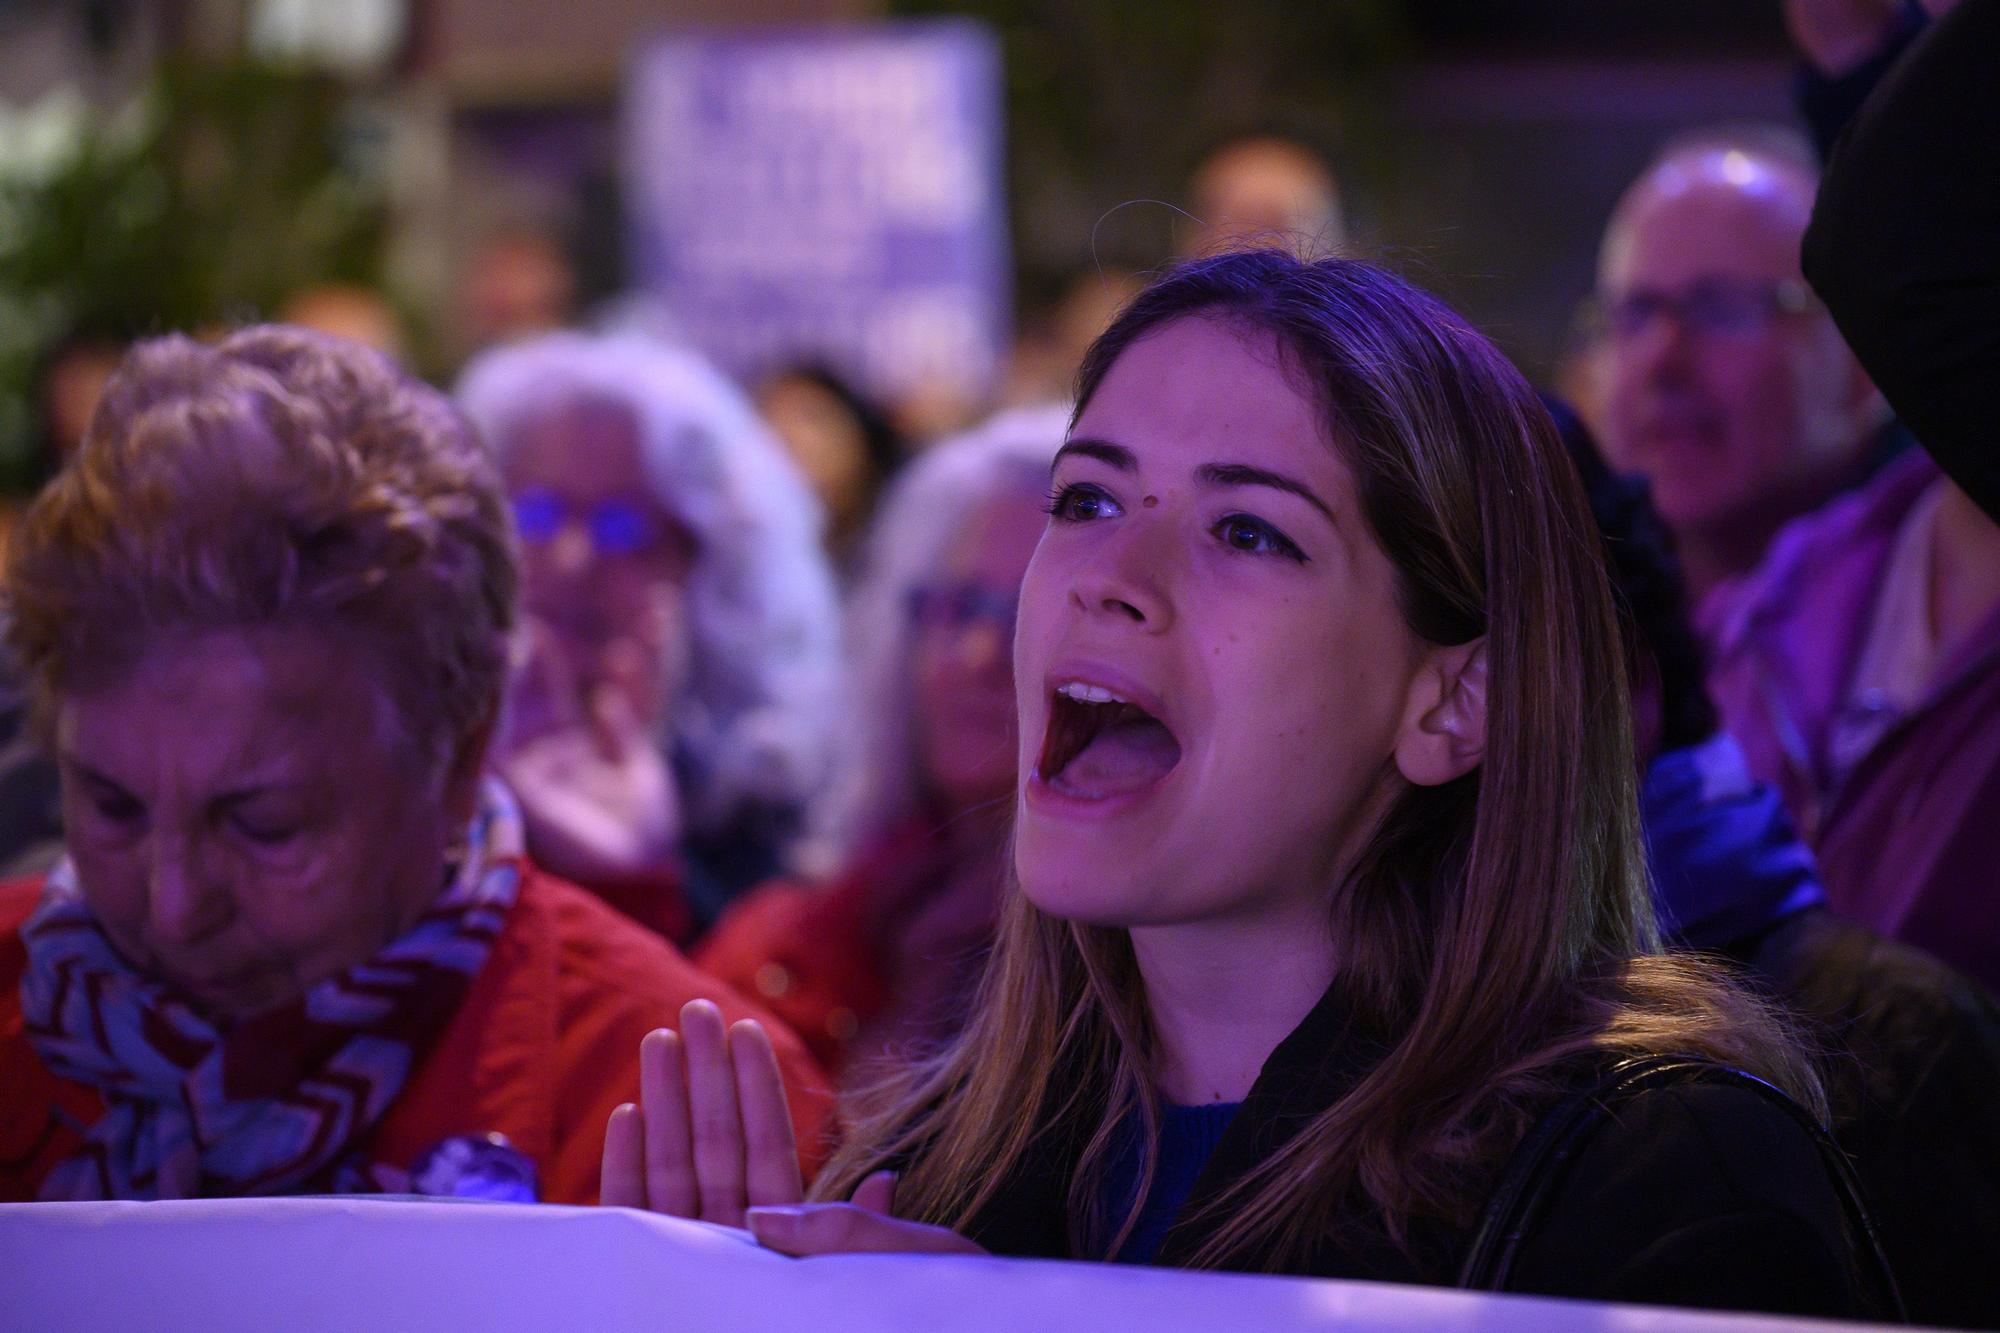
<point x="294" y="946"/>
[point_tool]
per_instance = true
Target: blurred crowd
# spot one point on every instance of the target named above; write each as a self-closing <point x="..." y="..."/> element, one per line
<point x="720" y="676"/>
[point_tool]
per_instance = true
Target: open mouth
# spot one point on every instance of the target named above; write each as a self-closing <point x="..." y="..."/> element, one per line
<point x="1099" y="746"/>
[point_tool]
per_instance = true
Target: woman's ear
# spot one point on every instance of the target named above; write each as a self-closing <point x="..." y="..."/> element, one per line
<point x="1445" y="736"/>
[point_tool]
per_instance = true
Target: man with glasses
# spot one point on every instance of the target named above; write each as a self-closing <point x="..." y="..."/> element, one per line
<point x="1722" y="380"/>
<point x="1860" y="666"/>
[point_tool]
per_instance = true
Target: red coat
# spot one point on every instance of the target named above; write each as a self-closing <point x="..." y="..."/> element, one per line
<point x="807" y="952"/>
<point x="815" y="953"/>
<point x="544" y="1045"/>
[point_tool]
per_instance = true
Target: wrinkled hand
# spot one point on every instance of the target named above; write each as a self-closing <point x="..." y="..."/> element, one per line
<point x="712" y="1139"/>
<point x="586" y="764"/>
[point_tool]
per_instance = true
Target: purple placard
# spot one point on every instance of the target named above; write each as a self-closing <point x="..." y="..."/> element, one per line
<point x="831" y="195"/>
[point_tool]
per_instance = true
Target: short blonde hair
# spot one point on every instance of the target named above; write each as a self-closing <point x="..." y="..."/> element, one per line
<point x="280" y="477"/>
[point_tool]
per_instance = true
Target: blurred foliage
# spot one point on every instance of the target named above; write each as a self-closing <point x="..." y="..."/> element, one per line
<point x="211" y="200"/>
<point x="1113" y="102"/>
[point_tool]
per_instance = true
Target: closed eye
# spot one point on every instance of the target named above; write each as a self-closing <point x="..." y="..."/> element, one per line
<point x="116" y="806"/>
<point x="1081" y="502"/>
<point x="265" y="834"/>
<point x="108" y="813"/>
<point x="1253" y="536"/>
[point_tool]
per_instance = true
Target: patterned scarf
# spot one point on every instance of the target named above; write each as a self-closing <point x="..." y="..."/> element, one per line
<point x="268" y="1105"/>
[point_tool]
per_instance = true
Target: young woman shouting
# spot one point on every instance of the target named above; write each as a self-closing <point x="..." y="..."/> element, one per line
<point x="1331" y="904"/>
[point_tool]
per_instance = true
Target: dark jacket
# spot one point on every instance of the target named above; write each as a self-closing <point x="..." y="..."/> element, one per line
<point x="1699" y="1195"/>
<point x="1904" y="246"/>
<point x="1912" y="1068"/>
<point x="1911" y="1049"/>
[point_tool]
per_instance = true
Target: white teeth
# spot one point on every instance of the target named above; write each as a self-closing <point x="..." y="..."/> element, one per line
<point x="1087" y="694"/>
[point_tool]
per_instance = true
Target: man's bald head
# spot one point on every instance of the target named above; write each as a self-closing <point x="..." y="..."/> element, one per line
<point x="1759" y="195"/>
<point x="1723" y="381"/>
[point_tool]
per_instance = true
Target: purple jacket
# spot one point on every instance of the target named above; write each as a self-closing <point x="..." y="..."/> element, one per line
<point x="1909" y="841"/>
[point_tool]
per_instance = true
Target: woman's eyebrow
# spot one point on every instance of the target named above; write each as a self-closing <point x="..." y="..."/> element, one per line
<point x="1243" y="474"/>
<point x="89" y="774"/>
<point x="1112" y="455"/>
<point x="255" y="790"/>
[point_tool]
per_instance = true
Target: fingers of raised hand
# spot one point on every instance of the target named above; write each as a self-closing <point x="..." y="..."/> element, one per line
<point x="713" y="1114"/>
<point x="770" y="1153"/>
<point x="669" y="1152"/>
<point x="845" y="1228"/>
<point x="623" y="1181"/>
<point x="877" y="1194"/>
<point x="712" y="1132"/>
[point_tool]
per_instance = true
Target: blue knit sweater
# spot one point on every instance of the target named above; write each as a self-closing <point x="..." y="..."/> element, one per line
<point x="1188" y="1135"/>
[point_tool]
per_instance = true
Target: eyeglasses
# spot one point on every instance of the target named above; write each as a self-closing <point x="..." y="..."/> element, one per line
<point x="958" y="606"/>
<point x="1712" y="307"/>
<point x="616" y="527"/>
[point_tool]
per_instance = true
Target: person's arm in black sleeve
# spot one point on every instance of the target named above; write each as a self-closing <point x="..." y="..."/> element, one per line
<point x="1904" y="246"/>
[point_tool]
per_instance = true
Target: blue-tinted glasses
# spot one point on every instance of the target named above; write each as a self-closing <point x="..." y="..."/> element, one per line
<point x="616" y="527"/>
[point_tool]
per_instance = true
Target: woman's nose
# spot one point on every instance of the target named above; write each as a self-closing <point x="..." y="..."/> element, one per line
<point x="571" y="550"/>
<point x="183" y="902"/>
<point x="1128" y="577"/>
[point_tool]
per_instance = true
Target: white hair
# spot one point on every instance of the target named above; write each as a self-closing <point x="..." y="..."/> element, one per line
<point x="882" y="786"/>
<point x="755" y="723"/>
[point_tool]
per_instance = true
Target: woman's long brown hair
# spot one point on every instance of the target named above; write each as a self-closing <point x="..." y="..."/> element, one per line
<point x="1495" y="926"/>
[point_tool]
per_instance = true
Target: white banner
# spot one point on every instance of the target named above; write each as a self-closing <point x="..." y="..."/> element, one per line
<point x="213" y="1266"/>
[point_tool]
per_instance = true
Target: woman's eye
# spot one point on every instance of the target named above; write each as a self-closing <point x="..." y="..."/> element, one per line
<point x="1081" y="504"/>
<point x="116" y="809"/>
<point x="1240" y="532"/>
<point x="266" y="833"/>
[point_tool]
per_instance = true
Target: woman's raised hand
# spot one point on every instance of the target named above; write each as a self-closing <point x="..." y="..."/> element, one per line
<point x="712" y="1135"/>
<point x="712" y="1139"/>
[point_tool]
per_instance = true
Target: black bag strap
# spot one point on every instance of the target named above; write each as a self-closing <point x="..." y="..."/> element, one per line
<point x="1543" y="1158"/>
